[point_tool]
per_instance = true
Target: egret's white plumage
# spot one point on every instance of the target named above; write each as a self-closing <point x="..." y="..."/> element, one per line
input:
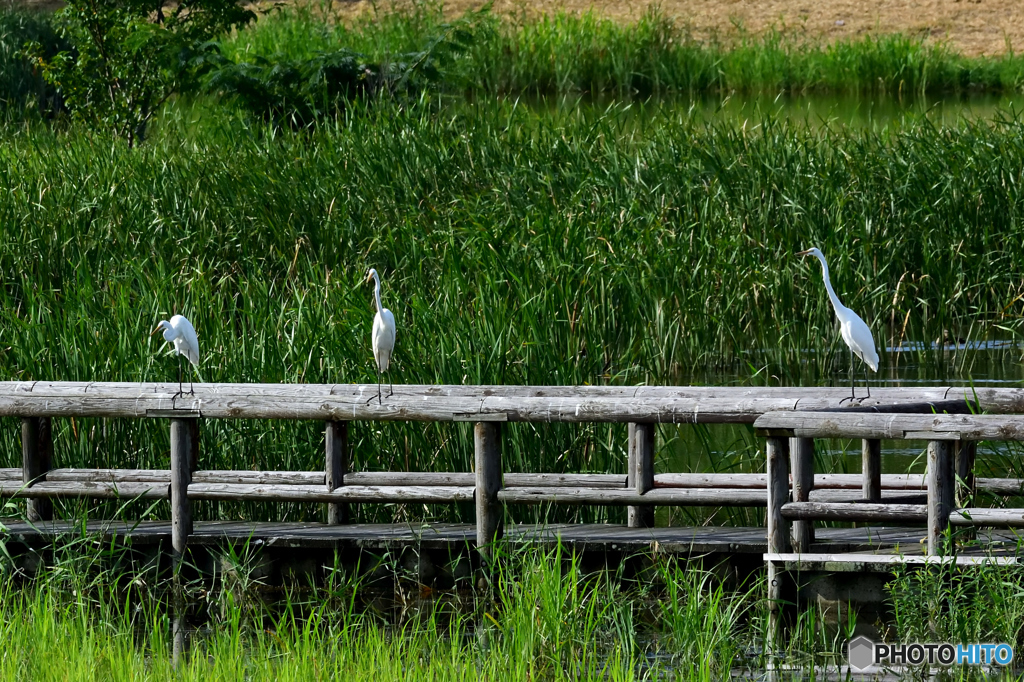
<point x="383" y="334"/>
<point x="852" y="328"/>
<point x="179" y="332"/>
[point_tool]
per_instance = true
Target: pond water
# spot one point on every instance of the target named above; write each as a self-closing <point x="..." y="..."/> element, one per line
<point x="871" y="110"/>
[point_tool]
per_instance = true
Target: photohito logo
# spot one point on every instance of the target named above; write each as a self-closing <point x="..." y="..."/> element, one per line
<point x="863" y="653"/>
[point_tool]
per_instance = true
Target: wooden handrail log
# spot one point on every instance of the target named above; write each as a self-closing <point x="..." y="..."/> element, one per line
<point x="461" y="403"/>
<point x="661" y="497"/>
<point x="893" y="426"/>
<point x="855" y="511"/>
<point x="347" y="493"/>
<point x="998" y="518"/>
<point x="760" y="481"/>
<point x="87" y="489"/>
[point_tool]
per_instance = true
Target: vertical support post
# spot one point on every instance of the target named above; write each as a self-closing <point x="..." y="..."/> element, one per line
<point x="36" y="460"/>
<point x="640" y="477"/>
<point x="802" y="454"/>
<point x="487" y="445"/>
<point x="183" y="432"/>
<point x="336" y="445"/>
<point x="871" y="468"/>
<point x="941" y="487"/>
<point x="778" y="533"/>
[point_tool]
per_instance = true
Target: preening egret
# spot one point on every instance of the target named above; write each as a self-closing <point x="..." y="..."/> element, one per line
<point x="180" y="332"/>
<point x="855" y="331"/>
<point x="383" y="337"/>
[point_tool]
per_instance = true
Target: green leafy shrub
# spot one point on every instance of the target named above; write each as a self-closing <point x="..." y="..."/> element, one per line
<point x="21" y="85"/>
<point x="298" y="92"/>
<point x="127" y="58"/>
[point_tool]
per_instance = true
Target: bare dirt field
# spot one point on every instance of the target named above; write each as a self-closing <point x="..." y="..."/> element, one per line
<point x="973" y="27"/>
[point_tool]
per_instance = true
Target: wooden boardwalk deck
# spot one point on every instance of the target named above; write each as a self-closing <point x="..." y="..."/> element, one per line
<point x="669" y="540"/>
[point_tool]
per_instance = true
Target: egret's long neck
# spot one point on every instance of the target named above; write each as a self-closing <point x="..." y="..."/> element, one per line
<point x="828" y="286"/>
<point x="376" y="291"/>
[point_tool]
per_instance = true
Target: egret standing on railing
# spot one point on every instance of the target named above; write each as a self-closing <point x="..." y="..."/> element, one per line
<point x="855" y="331"/>
<point x="182" y="334"/>
<point x="383" y="337"/>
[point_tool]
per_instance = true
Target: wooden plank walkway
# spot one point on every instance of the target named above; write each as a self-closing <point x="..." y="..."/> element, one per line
<point x="669" y="540"/>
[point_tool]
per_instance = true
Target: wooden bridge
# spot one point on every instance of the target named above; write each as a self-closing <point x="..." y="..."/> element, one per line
<point x="789" y="418"/>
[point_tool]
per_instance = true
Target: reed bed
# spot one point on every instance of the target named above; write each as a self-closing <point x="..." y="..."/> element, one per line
<point x="597" y="245"/>
<point x="85" y="616"/>
<point x="567" y="53"/>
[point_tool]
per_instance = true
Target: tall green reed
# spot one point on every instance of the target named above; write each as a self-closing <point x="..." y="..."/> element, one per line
<point x="593" y="246"/>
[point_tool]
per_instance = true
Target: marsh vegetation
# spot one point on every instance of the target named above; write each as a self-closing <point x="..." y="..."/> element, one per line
<point x="605" y="241"/>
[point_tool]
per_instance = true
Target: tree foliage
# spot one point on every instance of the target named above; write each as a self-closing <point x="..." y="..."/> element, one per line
<point x="128" y="57"/>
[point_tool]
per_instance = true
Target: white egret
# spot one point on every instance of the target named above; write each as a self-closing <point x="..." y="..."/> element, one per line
<point x="854" y="330"/>
<point x="382" y="336"/>
<point x="180" y="332"/>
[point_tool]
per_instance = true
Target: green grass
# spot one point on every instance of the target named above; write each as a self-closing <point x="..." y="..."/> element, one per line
<point x="567" y="53"/>
<point x="91" y="615"/>
<point x="516" y="246"/>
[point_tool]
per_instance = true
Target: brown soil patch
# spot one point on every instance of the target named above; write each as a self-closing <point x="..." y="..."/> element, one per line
<point x="973" y="27"/>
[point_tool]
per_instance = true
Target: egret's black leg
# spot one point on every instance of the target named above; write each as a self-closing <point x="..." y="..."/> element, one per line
<point x="853" y="392"/>
<point x="866" y="385"/>
<point x="853" y="389"/>
<point x="191" y="376"/>
<point x="379" y="378"/>
<point x="391" y="384"/>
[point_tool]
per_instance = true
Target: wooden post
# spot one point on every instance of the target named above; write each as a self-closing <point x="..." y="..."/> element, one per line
<point x="871" y="468"/>
<point x="778" y="535"/>
<point x="183" y="432"/>
<point x="802" y="453"/>
<point x="36" y="460"/>
<point x="941" y="486"/>
<point x="487" y="442"/>
<point x="640" y="476"/>
<point x="336" y="445"/>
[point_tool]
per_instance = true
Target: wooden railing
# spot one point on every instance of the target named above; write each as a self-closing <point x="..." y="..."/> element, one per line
<point x="641" y="489"/>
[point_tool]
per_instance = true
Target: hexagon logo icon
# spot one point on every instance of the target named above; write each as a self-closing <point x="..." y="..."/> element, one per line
<point x="860" y="653"/>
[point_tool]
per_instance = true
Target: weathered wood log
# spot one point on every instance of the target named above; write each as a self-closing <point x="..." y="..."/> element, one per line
<point x="996" y="518"/>
<point x="871" y="469"/>
<point x="663" y="497"/>
<point x="489" y="512"/>
<point x="778" y="494"/>
<point x="855" y="511"/>
<point x="319" y="493"/>
<point x="87" y="489"/>
<point x="410" y="478"/>
<point x="182" y="457"/>
<point x="111" y="475"/>
<point x="1000" y="486"/>
<point x="348" y="402"/>
<point x="257" y="477"/>
<point x="760" y="481"/>
<point x="640" y="473"/>
<point x="856" y="496"/>
<point x="36" y="459"/>
<point x="941" y="491"/>
<point x="610" y="481"/>
<point x="801" y="451"/>
<point x="336" y="447"/>
<point x="896" y="426"/>
<point x="986" y="397"/>
<point x="11" y="474"/>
